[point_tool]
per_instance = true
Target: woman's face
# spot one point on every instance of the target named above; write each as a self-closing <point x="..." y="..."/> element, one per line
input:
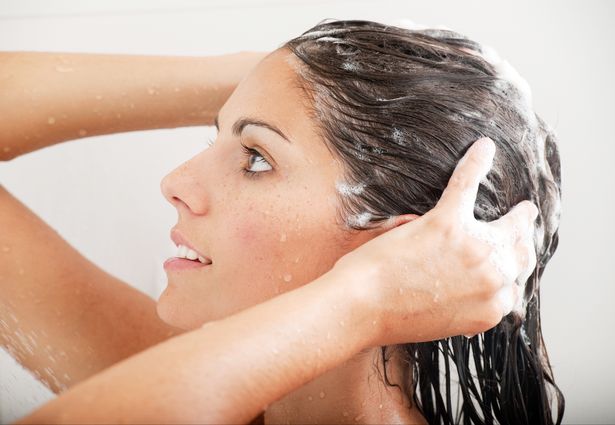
<point x="267" y="232"/>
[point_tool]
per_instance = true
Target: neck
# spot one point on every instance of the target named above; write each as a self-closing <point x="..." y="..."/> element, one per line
<point x="351" y="393"/>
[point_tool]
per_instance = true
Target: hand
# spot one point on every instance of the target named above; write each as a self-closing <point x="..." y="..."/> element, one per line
<point x="445" y="273"/>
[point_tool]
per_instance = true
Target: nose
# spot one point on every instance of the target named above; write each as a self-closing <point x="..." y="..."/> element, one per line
<point x="182" y="188"/>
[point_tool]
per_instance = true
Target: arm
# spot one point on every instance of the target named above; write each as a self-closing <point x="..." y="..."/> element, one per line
<point x="229" y="370"/>
<point x="61" y="316"/>
<point x="48" y="98"/>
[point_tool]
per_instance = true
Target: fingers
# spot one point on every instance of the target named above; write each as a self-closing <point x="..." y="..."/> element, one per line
<point x="462" y="188"/>
<point x="519" y="221"/>
<point x="518" y="224"/>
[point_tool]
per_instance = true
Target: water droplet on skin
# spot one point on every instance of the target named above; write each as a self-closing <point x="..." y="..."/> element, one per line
<point x="310" y="398"/>
<point x="6" y="149"/>
<point x="51" y="120"/>
<point x="98" y="97"/>
<point x="328" y="335"/>
<point x="380" y="406"/>
<point x="437" y="283"/>
<point x="435" y="298"/>
<point x="345" y="414"/>
<point x="373" y="323"/>
<point x="82" y="132"/>
<point x="6" y="249"/>
<point x="288" y="278"/>
<point x="297" y="260"/>
<point x="283" y="237"/>
<point x="322" y="394"/>
<point x="21" y="271"/>
<point x="359" y="417"/>
<point x="151" y="91"/>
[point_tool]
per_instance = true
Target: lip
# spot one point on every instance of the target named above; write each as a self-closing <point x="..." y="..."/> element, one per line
<point x="178" y="264"/>
<point x="179" y="239"/>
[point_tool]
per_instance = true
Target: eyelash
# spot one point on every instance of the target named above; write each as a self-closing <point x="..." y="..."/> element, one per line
<point x="247" y="152"/>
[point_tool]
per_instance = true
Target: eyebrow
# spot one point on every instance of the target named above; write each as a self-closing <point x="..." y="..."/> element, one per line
<point x="242" y="122"/>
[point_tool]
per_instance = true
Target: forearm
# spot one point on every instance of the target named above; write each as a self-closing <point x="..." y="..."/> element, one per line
<point x="228" y="370"/>
<point x="47" y="98"/>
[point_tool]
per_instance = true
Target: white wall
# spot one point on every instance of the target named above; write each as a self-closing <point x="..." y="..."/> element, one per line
<point x="102" y="193"/>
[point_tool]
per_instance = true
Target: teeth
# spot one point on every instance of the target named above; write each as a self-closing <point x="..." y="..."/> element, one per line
<point x="185" y="252"/>
<point x="192" y="255"/>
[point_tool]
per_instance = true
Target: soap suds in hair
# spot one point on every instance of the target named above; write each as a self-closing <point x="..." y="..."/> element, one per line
<point x="359" y="220"/>
<point x="350" y="66"/>
<point x="348" y="189"/>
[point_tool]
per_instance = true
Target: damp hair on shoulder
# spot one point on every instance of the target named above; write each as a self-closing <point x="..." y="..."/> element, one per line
<point x="399" y="107"/>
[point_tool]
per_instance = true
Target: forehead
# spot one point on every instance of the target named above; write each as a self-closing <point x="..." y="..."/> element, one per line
<point x="271" y="93"/>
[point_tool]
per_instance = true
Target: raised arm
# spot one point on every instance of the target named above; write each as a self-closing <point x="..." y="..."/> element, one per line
<point x="48" y="98"/>
<point x="229" y="370"/>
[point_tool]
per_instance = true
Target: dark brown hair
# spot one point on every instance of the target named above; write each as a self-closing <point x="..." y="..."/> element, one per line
<point x="399" y="108"/>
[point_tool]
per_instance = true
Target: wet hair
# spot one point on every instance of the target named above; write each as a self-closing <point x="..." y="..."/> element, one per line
<point x="399" y="108"/>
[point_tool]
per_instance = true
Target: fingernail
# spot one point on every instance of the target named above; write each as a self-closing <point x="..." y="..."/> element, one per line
<point x="486" y="146"/>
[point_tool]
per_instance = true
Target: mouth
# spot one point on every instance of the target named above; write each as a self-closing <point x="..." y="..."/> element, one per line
<point x="176" y="264"/>
<point x="186" y="251"/>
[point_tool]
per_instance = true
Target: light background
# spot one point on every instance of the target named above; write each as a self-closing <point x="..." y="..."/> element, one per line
<point x="102" y="193"/>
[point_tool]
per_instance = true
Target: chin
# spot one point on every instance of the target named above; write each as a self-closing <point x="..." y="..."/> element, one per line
<point x="172" y="314"/>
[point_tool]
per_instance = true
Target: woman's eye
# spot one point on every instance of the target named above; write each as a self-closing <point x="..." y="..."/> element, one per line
<point x="256" y="162"/>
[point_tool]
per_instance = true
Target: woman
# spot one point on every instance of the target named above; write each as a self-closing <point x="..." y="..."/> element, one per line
<point x="292" y="224"/>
